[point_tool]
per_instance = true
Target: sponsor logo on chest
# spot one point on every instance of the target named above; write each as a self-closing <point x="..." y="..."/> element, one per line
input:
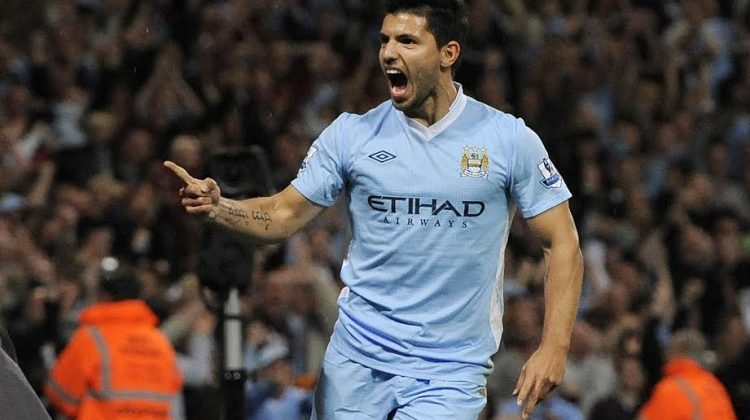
<point x="428" y="212"/>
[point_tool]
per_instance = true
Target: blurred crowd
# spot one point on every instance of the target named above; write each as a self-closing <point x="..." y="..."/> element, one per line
<point x="644" y="106"/>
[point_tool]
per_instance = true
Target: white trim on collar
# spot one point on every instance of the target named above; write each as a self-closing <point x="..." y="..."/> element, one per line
<point x="428" y="133"/>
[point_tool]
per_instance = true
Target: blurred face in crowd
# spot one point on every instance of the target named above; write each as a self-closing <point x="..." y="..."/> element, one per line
<point x="186" y="151"/>
<point x="276" y="294"/>
<point x="732" y="338"/>
<point x="413" y="62"/>
<point x="138" y="147"/>
<point x="17" y="102"/>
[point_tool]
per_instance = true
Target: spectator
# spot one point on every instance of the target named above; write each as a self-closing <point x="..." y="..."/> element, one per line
<point x="17" y="399"/>
<point x="553" y="407"/>
<point x="522" y="330"/>
<point x="687" y="389"/>
<point x="299" y="304"/>
<point x="589" y="374"/>
<point x="32" y="327"/>
<point x="272" y="394"/>
<point x="191" y="328"/>
<point x="733" y="353"/>
<point x="117" y="362"/>
<point x="166" y="100"/>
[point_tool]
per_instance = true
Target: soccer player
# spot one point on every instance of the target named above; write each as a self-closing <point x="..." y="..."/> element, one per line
<point x="432" y="180"/>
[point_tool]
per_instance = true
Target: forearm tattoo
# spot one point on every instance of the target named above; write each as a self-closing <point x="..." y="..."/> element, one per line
<point x="235" y="216"/>
<point x="262" y="217"/>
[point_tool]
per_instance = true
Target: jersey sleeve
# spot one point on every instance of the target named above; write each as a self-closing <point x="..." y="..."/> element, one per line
<point x="535" y="185"/>
<point x="322" y="175"/>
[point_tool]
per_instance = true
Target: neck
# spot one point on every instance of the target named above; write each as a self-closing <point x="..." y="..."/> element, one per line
<point x="436" y="105"/>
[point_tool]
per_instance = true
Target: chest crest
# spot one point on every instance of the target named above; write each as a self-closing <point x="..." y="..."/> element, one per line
<point x="475" y="163"/>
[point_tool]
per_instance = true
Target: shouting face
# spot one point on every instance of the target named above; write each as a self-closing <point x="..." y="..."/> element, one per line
<point x="410" y="59"/>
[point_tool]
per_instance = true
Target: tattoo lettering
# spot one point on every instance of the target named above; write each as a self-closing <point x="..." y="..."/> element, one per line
<point x="236" y="216"/>
<point x="262" y="217"/>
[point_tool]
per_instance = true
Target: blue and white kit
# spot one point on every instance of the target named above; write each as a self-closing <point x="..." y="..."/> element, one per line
<point x="431" y="208"/>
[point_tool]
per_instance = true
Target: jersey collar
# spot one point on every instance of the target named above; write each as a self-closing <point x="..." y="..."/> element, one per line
<point x="428" y="133"/>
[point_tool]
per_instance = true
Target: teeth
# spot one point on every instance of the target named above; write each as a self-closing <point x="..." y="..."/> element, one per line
<point x="392" y="72"/>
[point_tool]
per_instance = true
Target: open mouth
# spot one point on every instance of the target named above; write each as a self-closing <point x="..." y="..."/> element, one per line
<point x="399" y="82"/>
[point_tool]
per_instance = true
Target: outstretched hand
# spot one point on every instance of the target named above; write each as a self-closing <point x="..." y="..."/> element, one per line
<point x="198" y="196"/>
<point x="539" y="376"/>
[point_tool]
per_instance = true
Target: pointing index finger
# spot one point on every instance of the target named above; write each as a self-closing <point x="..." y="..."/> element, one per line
<point x="180" y="172"/>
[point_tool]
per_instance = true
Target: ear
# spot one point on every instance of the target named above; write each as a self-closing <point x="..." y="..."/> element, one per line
<point x="449" y="54"/>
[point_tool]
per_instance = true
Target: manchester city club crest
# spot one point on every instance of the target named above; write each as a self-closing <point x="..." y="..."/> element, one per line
<point x="475" y="163"/>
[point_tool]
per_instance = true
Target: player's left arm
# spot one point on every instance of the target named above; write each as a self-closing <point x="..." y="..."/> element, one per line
<point x="562" y="288"/>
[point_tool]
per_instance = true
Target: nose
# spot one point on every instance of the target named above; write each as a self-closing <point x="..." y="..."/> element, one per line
<point x="388" y="52"/>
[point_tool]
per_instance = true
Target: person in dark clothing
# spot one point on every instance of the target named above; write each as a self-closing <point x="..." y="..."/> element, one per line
<point x="31" y="324"/>
<point x="736" y="378"/>
<point x="17" y="399"/>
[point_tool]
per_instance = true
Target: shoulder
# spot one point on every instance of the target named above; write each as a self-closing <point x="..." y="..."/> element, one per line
<point x="667" y="386"/>
<point x="80" y="348"/>
<point x="508" y="127"/>
<point x="369" y="120"/>
<point x="484" y="110"/>
<point x="349" y="131"/>
<point x="666" y="400"/>
<point x="668" y="392"/>
<point x="85" y="334"/>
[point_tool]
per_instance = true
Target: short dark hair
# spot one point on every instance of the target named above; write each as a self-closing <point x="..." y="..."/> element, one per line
<point x="446" y="19"/>
<point x="120" y="282"/>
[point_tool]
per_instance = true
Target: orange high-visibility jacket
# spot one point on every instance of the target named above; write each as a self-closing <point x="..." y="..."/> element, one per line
<point x="689" y="392"/>
<point x="117" y="365"/>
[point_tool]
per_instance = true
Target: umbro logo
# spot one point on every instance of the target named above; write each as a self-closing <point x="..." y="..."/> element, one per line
<point x="382" y="156"/>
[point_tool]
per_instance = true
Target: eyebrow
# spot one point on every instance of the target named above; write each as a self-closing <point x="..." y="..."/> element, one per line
<point x="400" y="36"/>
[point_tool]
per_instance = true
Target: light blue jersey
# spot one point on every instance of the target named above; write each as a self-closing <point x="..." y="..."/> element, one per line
<point x="431" y="209"/>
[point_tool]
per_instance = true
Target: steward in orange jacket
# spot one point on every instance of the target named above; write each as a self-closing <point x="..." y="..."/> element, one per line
<point x="117" y="365"/>
<point x="687" y="391"/>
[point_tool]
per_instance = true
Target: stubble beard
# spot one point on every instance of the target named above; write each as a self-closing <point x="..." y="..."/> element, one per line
<point x="414" y="107"/>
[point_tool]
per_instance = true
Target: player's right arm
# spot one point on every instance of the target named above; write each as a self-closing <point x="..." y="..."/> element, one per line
<point x="262" y="219"/>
